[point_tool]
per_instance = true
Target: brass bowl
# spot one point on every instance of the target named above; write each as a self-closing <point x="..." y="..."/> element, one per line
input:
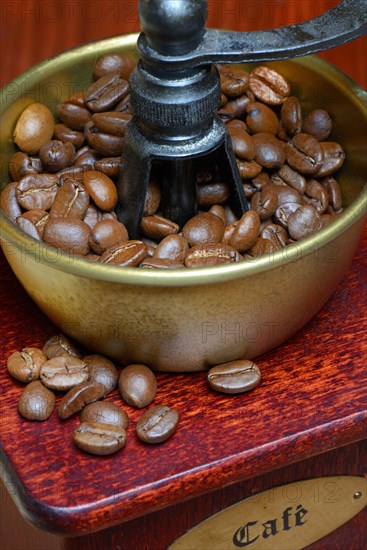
<point x="189" y="320"/>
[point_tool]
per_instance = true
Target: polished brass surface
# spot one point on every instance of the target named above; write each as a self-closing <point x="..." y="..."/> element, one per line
<point x="190" y="319"/>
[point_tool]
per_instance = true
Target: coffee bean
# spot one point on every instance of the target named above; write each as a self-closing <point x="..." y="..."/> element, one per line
<point x="219" y="211"/>
<point x="292" y="178"/>
<point x="152" y="199"/>
<point x="207" y="255"/>
<point x="334" y="157"/>
<point x="105" y="413"/>
<point x="212" y="193"/>
<point x="21" y="165"/>
<point x="334" y="193"/>
<point x="316" y="196"/>
<point x="68" y="234"/>
<point x="102" y="370"/>
<point x="276" y="234"/>
<point x="63" y="373"/>
<point x="76" y="99"/>
<point x="236" y="123"/>
<point x="101" y="189"/>
<point x="286" y="194"/>
<point x="260" y="247"/>
<point x="34" y="128"/>
<point x="106" y="234"/>
<point x="318" y="124"/>
<point x="126" y="254"/>
<point x="59" y="345"/>
<point x="25" y="365"/>
<point x="68" y="135"/>
<point x="304" y="154"/>
<point x="291" y="116"/>
<point x="110" y="166"/>
<point x="124" y="106"/>
<point x="9" y="203"/>
<point x="37" y="191"/>
<point x="33" y="222"/>
<point x="265" y="202"/>
<point x="79" y="396"/>
<point x="248" y="169"/>
<point x="99" y="439"/>
<point x="111" y="122"/>
<point x="235" y="377"/>
<point x="158" y="227"/>
<point x="303" y="222"/>
<point x="246" y="231"/>
<point x="106" y="92"/>
<point x="161" y="263"/>
<point x="261" y="180"/>
<point x="114" y="63"/>
<point x="172" y="247"/>
<point x="102" y="143"/>
<point x="269" y="151"/>
<point x="36" y="402"/>
<point x="260" y="118"/>
<point x="235" y="109"/>
<point x="283" y="212"/>
<point x="242" y="144"/>
<point x="92" y="216"/>
<point x="234" y="81"/>
<point x="269" y="86"/>
<point x="86" y="158"/>
<point x="137" y="385"/>
<point x="73" y="116"/>
<point x="72" y="199"/>
<point x="157" y="424"/>
<point x="203" y="228"/>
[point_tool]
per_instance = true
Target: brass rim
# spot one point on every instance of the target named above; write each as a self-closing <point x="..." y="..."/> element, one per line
<point x="210" y="275"/>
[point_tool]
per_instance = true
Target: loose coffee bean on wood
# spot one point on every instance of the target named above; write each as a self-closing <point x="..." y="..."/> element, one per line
<point x="104" y="412"/>
<point x="234" y="377"/>
<point x="102" y="370"/>
<point x="59" y="345"/>
<point x="79" y="396"/>
<point x="25" y="365"/>
<point x="99" y="439"/>
<point x="63" y="373"/>
<point x="157" y="424"/>
<point x="36" y="402"/>
<point x="137" y="385"/>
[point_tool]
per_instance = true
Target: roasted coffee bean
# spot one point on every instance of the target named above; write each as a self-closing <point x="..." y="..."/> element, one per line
<point x="73" y="116"/>
<point x="25" y="365"/>
<point x="283" y="212"/>
<point x="59" y="345"/>
<point x="104" y="144"/>
<point x="236" y="123"/>
<point x="158" y="227"/>
<point x="303" y="222"/>
<point x="137" y="385"/>
<point x="207" y="255"/>
<point x="71" y="172"/>
<point x="276" y="234"/>
<point x="248" y="169"/>
<point x="112" y="122"/>
<point x="286" y="194"/>
<point x="106" y="92"/>
<point x="34" y="128"/>
<point x="102" y="370"/>
<point x="260" y="181"/>
<point x="114" y="63"/>
<point x="235" y="377"/>
<point x="9" y="203"/>
<point x="269" y="86"/>
<point x="292" y="178"/>
<point x="67" y="135"/>
<point x="318" y="124"/>
<point x="246" y="231"/>
<point x="219" y="211"/>
<point x="291" y="116"/>
<point x="106" y="234"/>
<point x="152" y="199"/>
<point x="69" y="234"/>
<point x="64" y="372"/>
<point x="110" y="166"/>
<point x="260" y="247"/>
<point x="127" y="254"/>
<point x="72" y="199"/>
<point x="261" y="118"/>
<point x="269" y="151"/>
<point x="105" y="413"/>
<point x="235" y="109"/>
<point x="334" y="193"/>
<point x="228" y="232"/>
<point x="21" y="165"/>
<point x="37" y="191"/>
<point x="304" y="154"/>
<point x="157" y="424"/>
<point x="99" y="439"/>
<point x="233" y="81"/>
<point x="334" y="157"/>
<point x="92" y="216"/>
<point x="172" y="247"/>
<point x="101" y="189"/>
<point x="76" y="99"/>
<point x="79" y="396"/>
<point x="36" y="402"/>
<point x="242" y="144"/>
<point x="161" y="263"/>
<point x="205" y="228"/>
<point x="212" y="193"/>
<point x="265" y="202"/>
<point x="316" y="196"/>
<point x="124" y="106"/>
<point x="86" y="159"/>
<point x="223" y="100"/>
<point x="32" y="222"/>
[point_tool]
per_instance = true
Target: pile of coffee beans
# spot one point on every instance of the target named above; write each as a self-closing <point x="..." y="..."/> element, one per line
<point x="64" y="175"/>
<point x="86" y="380"/>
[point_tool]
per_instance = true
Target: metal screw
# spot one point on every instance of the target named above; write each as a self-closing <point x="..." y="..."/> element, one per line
<point x="357" y="495"/>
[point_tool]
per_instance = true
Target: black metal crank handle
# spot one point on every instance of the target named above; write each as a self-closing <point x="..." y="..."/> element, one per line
<point x="174" y="34"/>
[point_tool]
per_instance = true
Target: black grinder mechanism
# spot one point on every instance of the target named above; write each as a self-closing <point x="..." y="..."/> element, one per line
<point x="175" y="93"/>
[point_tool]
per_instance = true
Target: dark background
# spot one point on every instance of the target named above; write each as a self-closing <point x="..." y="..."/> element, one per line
<point x="32" y="30"/>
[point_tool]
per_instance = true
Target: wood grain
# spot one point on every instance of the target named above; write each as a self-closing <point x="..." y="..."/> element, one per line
<point x="312" y="398"/>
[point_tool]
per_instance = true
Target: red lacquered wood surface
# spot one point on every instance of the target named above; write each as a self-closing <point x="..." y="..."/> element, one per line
<point x="312" y="399"/>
